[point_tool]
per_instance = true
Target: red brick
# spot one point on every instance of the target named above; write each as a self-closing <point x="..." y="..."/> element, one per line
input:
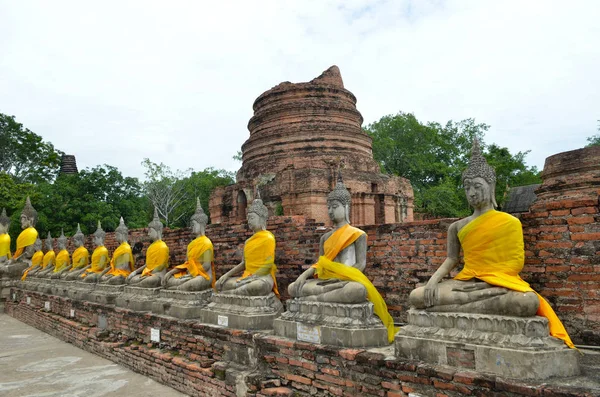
<point x="585" y="236"/>
<point x="298" y="378"/>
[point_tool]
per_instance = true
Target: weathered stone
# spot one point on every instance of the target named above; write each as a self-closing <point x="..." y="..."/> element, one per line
<point x="138" y="299"/>
<point x="242" y="312"/>
<point x="181" y="304"/>
<point x="106" y="294"/>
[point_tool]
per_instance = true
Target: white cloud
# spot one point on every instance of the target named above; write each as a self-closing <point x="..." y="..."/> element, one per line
<point x="115" y="82"/>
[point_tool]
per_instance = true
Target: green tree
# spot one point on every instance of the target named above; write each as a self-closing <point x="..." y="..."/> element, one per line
<point x="24" y="155"/>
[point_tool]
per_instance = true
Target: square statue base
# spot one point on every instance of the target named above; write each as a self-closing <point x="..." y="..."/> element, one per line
<point x="336" y="324"/>
<point x="60" y="287"/>
<point x="45" y="285"/>
<point x="251" y="313"/>
<point x="137" y="299"/>
<point x="181" y="304"/>
<point x="5" y="285"/>
<point x="106" y="294"/>
<point x="80" y="291"/>
<point x="515" y="347"/>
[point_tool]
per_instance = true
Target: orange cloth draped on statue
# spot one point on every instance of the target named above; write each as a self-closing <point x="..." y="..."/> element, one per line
<point x="494" y="252"/>
<point x="25" y="239"/>
<point x="259" y="253"/>
<point x="123" y="249"/>
<point x="5" y="245"/>
<point x="326" y="269"/>
<point x="157" y="258"/>
<point x="63" y="260"/>
<point x="36" y="260"/>
<point x="98" y="254"/>
<point x="195" y="251"/>
<point x="50" y="257"/>
<point x="79" y="254"/>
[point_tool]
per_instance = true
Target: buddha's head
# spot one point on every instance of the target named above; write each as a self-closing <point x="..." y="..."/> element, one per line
<point x="479" y="180"/>
<point x="4" y="221"/>
<point x="338" y="203"/>
<point x="99" y="235"/>
<point x="155" y="227"/>
<point x="49" y="242"/>
<point x="78" y="237"/>
<point x="28" y="215"/>
<point x="62" y="241"/>
<point x="199" y="220"/>
<point x="121" y="232"/>
<point x="257" y="215"/>
<point x="38" y="244"/>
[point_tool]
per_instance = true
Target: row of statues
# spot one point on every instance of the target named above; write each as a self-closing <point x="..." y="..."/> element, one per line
<point x="489" y="282"/>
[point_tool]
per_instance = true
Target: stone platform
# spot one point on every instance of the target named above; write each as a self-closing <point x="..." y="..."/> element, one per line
<point x="516" y="347"/>
<point x="181" y="304"/>
<point x="80" y="290"/>
<point x="334" y="324"/>
<point x="106" y="294"/>
<point x="137" y="299"/>
<point x="242" y="312"/>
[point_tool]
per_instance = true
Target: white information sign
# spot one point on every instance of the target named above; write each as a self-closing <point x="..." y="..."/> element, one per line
<point x="307" y="333"/>
<point x="155" y="334"/>
<point x="29" y="300"/>
<point x="223" y="320"/>
<point x="72" y="313"/>
<point x="14" y="296"/>
<point x="47" y="305"/>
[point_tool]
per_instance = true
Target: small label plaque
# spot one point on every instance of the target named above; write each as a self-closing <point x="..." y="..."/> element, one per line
<point x="47" y="305"/>
<point x="14" y="296"/>
<point x="307" y="333"/>
<point x="72" y="313"/>
<point x="155" y="334"/>
<point x="29" y="300"/>
<point x="223" y="320"/>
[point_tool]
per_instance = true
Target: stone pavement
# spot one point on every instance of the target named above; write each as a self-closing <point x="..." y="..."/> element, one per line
<point x="34" y="364"/>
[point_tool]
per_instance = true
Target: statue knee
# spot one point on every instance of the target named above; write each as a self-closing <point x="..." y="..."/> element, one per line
<point x="355" y="292"/>
<point x="415" y="299"/>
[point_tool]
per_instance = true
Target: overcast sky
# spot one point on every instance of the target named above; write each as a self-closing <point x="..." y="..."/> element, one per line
<point x="117" y="81"/>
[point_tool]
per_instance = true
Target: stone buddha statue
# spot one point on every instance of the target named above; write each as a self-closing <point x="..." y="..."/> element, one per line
<point x="157" y="259"/>
<point x="81" y="257"/>
<point x="338" y="276"/>
<point x="36" y="260"/>
<point x="492" y="243"/>
<point x="4" y="238"/>
<point x="258" y="262"/>
<point x="100" y="259"/>
<point x="49" y="260"/>
<point x="198" y="271"/>
<point x="122" y="262"/>
<point x="21" y="259"/>
<point x="63" y="259"/>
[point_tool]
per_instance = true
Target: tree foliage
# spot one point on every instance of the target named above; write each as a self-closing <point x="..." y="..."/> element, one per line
<point x="433" y="156"/>
<point x="24" y="155"/>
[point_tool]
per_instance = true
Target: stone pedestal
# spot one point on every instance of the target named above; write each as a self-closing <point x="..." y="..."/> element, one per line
<point x="334" y="324"/>
<point x="137" y="299"/>
<point x="60" y="287"/>
<point x="45" y="285"/>
<point x="5" y="285"/>
<point x="106" y="294"/>
<point x="242" y="312"/>
<point x="80" y="291"/>
<point x="516" y="347"/>
<point x="181" y="304"/>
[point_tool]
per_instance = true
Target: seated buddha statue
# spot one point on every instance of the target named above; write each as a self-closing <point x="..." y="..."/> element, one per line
<point x="48" y="261"/>
<point x="21" y="259"/>
<point x="492" y="243"/>
<point x="63" y="259"/>
<point x="122" y="262"/>
<point x="5" y="254"/>
<point x="338" y="276"/>
<point x="157" y="259"/>
<point x="36" y="260"/>
<point x="258" y="261"/>
<point x="100" y="259"/>
<point x="198" y="271"/>
<point x="81" y="257"/>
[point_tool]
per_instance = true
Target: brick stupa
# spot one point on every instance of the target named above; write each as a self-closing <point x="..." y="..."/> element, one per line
<point x="300" y="136"/>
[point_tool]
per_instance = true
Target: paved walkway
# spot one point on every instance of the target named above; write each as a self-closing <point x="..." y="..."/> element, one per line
<point x="34" y="364"/>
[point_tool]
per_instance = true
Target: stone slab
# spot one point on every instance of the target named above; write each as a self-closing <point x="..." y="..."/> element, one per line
<point x="181" y="304"/>
<point x="106" y="294"/>
<point x="80" y="291"/>
<point x="242" y="312"/>
<point x="137" y="298"/>
<point x="5" y="285"/>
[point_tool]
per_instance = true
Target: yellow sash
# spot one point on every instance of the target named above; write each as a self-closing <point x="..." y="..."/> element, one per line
<point x="326" y="269"/>
<point x="50" y="257"/>
<point x="123" y="249"/>
<point x="36" y="260"/>
<point x="78" y="254"/>
<point x="259" y="253"/>
<point x="157" y="258"/>
<point x="494" y="252"/>
<point x="5" y="245"/>
<point x="25" y="239"/>
<point x="63" y="260"/>
<point x="99" y="252"/>
<point x="195" y="250"/>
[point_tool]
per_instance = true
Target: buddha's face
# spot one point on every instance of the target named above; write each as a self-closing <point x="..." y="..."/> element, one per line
<point x="62" y="244"/>
<point x="255" y="222"/>
<point x="98" y="241"/>
<point x="478" y="192"/>
<point x="153" y="234"/>
<point x="25" y="221"/>
<point x="49" y="244"/>
<point x="37" y="245"/>
<point x="336" y="211"/>
<point x="78" y="242"/>
<point x="120" y="237"/>
<point x="3" y="228"/>
<point x="197" y="228"/>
